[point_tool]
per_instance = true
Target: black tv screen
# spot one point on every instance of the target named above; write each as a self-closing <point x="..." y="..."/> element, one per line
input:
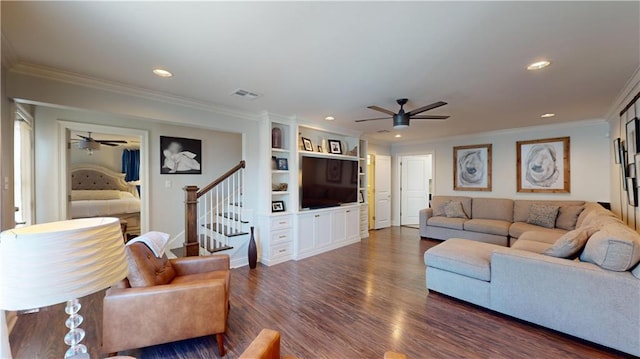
<point x="328" y="182"/>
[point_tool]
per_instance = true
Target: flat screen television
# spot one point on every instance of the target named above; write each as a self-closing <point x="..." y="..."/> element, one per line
<point x="328" y="182"/>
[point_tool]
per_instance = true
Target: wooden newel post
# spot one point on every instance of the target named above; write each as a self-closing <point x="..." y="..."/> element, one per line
<point x="191" y="245"/>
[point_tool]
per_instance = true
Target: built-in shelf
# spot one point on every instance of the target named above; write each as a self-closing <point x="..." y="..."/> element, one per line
<point x="279" y="171"/>
<point x="280" y="150"/>
<point x="327" y="155"/>
<point x="279" y="193"/>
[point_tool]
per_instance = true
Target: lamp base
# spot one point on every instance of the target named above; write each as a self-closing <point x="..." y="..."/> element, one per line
<point x="75" y="334"/>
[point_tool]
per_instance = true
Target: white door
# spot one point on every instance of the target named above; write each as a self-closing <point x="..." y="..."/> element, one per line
<point x="415" y="175"/>
<point x="382" y="190"/>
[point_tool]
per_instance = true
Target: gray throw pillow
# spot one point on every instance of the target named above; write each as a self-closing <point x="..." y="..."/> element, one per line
<point x="570" y="244"/>
<point x="568" y="216"/>
<point x="454" y="209"/>
<point x="543" y="215"/>
<point x="615" y="247"/>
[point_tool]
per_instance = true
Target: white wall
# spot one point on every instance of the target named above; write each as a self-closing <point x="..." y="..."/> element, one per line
<point x="6" y="150"/>
<point x="109" y="157"/>
<point x="378" y="149"/>
<point x="590" y="144"/>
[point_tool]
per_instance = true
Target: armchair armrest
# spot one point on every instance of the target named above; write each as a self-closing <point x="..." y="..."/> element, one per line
<point x="266" y="345"/>
<point x="138" y="317"/>
<point x="195" y="265"/>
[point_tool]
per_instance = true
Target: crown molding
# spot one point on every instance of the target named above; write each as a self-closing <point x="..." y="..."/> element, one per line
<point x="9" y="55"/>
<point x="53" y="74"/>
<point x="628" y="91"/>
<point x="505" y="132"/>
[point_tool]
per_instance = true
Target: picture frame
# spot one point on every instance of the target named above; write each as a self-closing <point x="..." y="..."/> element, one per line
<point x="472" y="168"/>
<point x="544" y="166"/>
<point x="360" y="197"/>
<point x="623" y="161"/>
<point x="277" y="206"/>
<point x="616" y="150"/>
<point x="307" y="145"/>
<point x="180" y="156"/>
<point x="335" y="147"/>
<point x="320" y="148"/>
<point x="334" y="171"/>
<point x="633" y="138"/>
<point x="631" y="170"/>
<point x="632" y="191"/>
<point x="282" y="164"/>
<point x="636" y="162"/>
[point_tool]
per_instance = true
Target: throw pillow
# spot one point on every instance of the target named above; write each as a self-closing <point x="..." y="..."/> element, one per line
<point x="568" y="216"/>
<point x="570" y="244"/>
<point x="454" y="209"/>
<point x="543" y="215"/>
<point x="615" y="247"/>
<point x="438" y="207"/>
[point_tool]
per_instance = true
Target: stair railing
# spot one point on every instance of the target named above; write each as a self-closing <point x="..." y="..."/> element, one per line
<point x="215" y="209"/>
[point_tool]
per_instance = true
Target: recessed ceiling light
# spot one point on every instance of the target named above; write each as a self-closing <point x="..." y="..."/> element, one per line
<point x="329" y="118"/>
<point x="547" y="115"/>
<point x="162" y="72"/>
<point x="397" y="135"/>
<point x="538" y="65"/>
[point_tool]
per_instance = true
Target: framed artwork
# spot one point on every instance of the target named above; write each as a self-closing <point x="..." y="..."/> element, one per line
<point x="472" y="168"/>
<point x="282" y="164"/>
<point x="544" y="165"/>
<point x="335" y="147"/>
<point x="633" y="138"/>
<point x="307" y="145"/>
<point x="631" y="170"/>
<point x="180" y="155"/>
<point x="334" y="171"/>
<point x="360" y="197"/>
<point x="616" y="150"/>
<point x="636" y="164"/>
<point x="277" y="206"/>
<point x="632" y="192"/>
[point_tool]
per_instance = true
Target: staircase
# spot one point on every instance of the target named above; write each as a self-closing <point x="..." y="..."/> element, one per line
<point x="214" y="216"/>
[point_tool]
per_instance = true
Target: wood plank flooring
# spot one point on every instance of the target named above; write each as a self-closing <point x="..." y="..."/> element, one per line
<point x="355" y="302"/>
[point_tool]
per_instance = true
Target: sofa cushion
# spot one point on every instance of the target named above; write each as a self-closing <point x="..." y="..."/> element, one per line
<point x="522" y="207"/>
<point x="541" y="235"/>
<point x="615" y="247"/>
<point x="438" y="202"/>
<point x="461" y="256"/>
<point x="453" y="209"/>
<point x="570" y="244"/>
<point x="518" y="228"/>
<point x="488" y="226"/>
<point x="493" y="208"/>
<point x="531" y="246"/>
<point x="444" y="222"/>
<point x="543" y="215"/>
<point x="568" y="216"/>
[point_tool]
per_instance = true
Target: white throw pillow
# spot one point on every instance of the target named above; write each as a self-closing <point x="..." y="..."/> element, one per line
<point x="543" y="215"/>
<point x="454" y="209"/>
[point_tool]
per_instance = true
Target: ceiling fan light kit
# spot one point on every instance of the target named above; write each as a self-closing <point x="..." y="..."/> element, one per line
<point x="90" y="146"/>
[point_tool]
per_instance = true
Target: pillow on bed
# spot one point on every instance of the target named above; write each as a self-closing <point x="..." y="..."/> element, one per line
<point x="89" y="195"/>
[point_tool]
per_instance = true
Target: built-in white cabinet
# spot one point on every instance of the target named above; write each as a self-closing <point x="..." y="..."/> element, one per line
<point x="276" y="239"/>
<point x="326" y="229"/>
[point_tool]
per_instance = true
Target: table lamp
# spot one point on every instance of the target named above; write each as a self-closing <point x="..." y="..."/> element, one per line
<point x="51" y="263"/>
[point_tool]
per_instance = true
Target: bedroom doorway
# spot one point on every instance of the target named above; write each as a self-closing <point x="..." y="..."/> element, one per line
<point x="109" y="168"/>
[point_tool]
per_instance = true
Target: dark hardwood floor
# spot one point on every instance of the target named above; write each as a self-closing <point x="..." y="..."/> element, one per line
<point x="355" y="302"/>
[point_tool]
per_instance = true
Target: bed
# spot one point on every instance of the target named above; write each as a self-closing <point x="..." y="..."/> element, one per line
<point x="97" y="191"/>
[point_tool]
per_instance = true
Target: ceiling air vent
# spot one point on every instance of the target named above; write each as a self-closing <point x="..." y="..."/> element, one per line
<point x="383" y="131"/>
<point x="245" y="94"/>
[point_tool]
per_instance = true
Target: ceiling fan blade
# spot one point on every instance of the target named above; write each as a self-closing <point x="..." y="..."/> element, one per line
<point x="84" y="137"/>
<point x="426" y="108"/>
<point x="108" y="144"/>
<point x="111" y="141"/>
<point x="374" y="119"/>
<point x="380" y="109"/>
<point x="430" y="117"/>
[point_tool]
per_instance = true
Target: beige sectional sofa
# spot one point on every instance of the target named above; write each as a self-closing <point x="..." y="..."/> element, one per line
<point x="492" y="220"/>
<point x="584" y="282"/>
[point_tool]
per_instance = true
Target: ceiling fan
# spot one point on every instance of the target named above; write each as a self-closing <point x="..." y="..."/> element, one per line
<point x="90" y="144"/>
<point x="401" y="119"/>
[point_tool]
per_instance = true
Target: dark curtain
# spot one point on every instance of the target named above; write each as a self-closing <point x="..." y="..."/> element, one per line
<point x="131" y="165"/>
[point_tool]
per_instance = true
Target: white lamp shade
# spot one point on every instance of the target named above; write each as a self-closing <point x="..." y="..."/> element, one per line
<point x="51" y="263"/>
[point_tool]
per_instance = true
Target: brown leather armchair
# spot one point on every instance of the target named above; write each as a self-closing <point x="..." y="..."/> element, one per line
<point x="164" y="300"/>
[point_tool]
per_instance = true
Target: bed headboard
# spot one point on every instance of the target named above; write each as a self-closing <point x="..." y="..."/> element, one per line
<point x="86" y="176"/>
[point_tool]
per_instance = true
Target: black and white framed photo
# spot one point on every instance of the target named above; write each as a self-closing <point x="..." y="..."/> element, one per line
<point x="616" y="150"/>
<point x="307" y="145"/>
<point x="472" y="168"/>
<point x="335" y="147"/>
<point x="633" y="139"/>
<point x="277" y="206"/>
<point x="632" y="191"/>
<point x="180" y="155"/>
<point x="544" y="165"/>
<point x="282" y="164"/>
